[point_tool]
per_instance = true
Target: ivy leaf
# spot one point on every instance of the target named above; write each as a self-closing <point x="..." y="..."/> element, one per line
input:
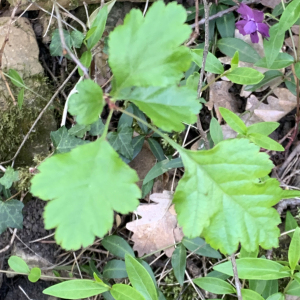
<point x="11" y="214"/>
<point x="79" y="130"/>
<point x="87" y="104"/>
<point x="221" y="198"/>
<point x="138" y="57"/>
<point x="9" y="177"/>
<point x="167" y="107"/>
<point x="63" y="141"/>
<point x="83" y="194"/>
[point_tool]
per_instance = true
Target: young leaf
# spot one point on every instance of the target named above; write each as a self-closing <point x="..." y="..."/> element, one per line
<point x="289" y="16"/>
<point x="138" y="58"/>
<point x="140" y="278"/>
<point x="229" y="46"/>
<point x="255" y="268"/>
<point x="277" y="296"/>
<point x="233" y="121"/>
<point x="99" y="24"/>
<point x="215" y="285"/>
<point x="117" y="246"/>
<point x="212" y="65"/>
<point x="290" y="223"/>
<point x="215" y="130"/>
<point x="265" y="128"/>
<point x="109" y="4"/>
<point x="11" y="214"/>
<point x="80" y="177"/>
<point x="87" y="104"/>
<point x="63" y="141"/>
<point x="34" y="275"/>
<point x="251" y="295"/>
<point x="85" y="59"/>
<point x="115" y="269"/>
<point x="125" y="292"/>
<point x="75" y="289"/>
<point x="179" y="263"/>
<point x="244" y="75"/>
<point x="9" y="177"/>
<point x="273" y="45"/>
<point x="294" y="250"/>
<point x="156" y="149"/>
<point x="167" y="107"/>
<point x="265" y="142"/>
<point x="283" y="60"/>
<point x="225" y="24"/>
<point x="18" y="265"/>
<point x="15" y="78"/>
<point x="200" y="247"/>
<point x="235" y="60"/>
<point x="218" y="201"/>
<point x="21" y="98"/>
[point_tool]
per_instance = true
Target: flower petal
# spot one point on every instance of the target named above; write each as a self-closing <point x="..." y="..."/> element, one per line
<point x="263" y="29"/>
<point x="250" y="27"/>
<point x="258" y="16"/>
<point x="240" y="26"/>
<point x="254" y="37"/>
<point x="246" y="11"/>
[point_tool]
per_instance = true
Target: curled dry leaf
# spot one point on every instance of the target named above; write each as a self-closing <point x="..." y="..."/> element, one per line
<point x="157" y="227"/>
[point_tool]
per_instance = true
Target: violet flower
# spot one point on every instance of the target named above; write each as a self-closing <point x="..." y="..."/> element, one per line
<point x="252" y="23"/>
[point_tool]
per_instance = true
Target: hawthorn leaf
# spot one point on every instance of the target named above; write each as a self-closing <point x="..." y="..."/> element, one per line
<point x="221" y="198"/>
<point x="83" y="193"/>
<point x="87" y="104"/>
<point x="11" y="214"/>
<point x="9" y="177"/>
<point x="167" y="107"/>
<point x="125" y="292"/>
<point x="18" y="264"/>
<point x="138" y="58"/>
<point x="63" y="141"/>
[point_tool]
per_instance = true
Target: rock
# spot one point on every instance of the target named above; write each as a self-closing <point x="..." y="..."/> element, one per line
<point x="21" y="53"/>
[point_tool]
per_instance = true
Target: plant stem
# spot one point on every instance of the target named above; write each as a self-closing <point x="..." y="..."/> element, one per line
<point x="104" y="134"/>
<point x="236" y="277"/>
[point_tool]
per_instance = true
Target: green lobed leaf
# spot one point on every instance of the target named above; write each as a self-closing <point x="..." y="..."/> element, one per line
<point x="245" y="254"/>
<point x="85" y="59"/>
<point x="215" y="285"/>
<point x="11" y="214"/>
<point x="220" y="197"/>
<point x="9" y="177"/>
<point x="115" y="269"/>
<point x="21" y="98"/>
<point x="63" y="141"/>
<point x="18" y="265"/>
<point x="138" y="58"/>
<point x="293" y="288"/>
<point x="212" y="64"/>
<point x="226" y="23"/>
<point x="156" y="149"/>
<point x="273" y="45"/>
<point x="294" y="250"/>
<point x="97" y="128"/>
<point x="87" y="104"/>
<point x="80" y="177"/>
<point x="265" y="128"/>
<point x="244" y="75"/>
<point x="179" y="263"/>
<point x="15" y="78"/>
<point x="99" y="25"/>
<point x="229" y="46"/>
<point x="283" y="60"/>
<point x="277" y="296"/>
<point x="251" y="295"/>
<point x="268" y="77"/>
<point x="125" y="292"/>
<point x="125" y="119"/>
<point x="215" y="130"/>
<point x="289" y="16"/>
<point x="117" y="246"/>
<point x="290" y="223"/>
<point x="167" y="107"/>
<point x="264" y="142"/>
<point x="255" y="268"/>
<point x="75" y="289"/>
<point x="140" y="278"/>
<point x="200" y="247"/>
<point x="34" y="275"/>
<point x="79" y="130"/>
<point x="233" y="120"/>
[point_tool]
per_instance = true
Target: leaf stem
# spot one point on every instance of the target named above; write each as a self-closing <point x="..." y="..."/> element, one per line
<point x="236" y="277"/>
<point x="104" y="134"/>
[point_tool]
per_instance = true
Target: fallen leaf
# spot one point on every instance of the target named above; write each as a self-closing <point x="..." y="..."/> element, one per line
<point x="295" y="29"/>
<point x="289" y="42"/>
<point x="157" y="228"/>
<point x="270" y="3"/>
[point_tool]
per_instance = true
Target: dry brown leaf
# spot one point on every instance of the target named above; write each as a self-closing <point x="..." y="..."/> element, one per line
<point x="289" y="42"/>
<point x="270" y="3"/>
<point x="295" y="29"/>
<point x="157" y="227"/>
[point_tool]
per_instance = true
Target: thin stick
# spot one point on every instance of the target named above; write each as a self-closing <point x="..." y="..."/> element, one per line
<point x="236" y="278"/>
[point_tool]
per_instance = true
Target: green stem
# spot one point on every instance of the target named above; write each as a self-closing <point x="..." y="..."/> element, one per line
<point x="286" y="288"/>
<point x="104" y="134"/>
<point x="213" y="81"/>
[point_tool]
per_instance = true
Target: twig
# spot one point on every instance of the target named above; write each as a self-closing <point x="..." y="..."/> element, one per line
<point x="65" y="47"/>
<point x="146" y="7"/>
<point x="236" y="278"/>
<point x="50" y="20"/>
<point x="2" y="169"/>
<point x="289" y="159"/>
<point x="283" y="204"/>
<point x="40" y="115"/>
<point x="195" y="288"/>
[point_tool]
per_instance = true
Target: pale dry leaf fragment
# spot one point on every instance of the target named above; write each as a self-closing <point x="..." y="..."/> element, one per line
<point x="270" y="3"/>
<point x="157" y="228"/>
<point x="295" y="29"/>
<point x="289" y="42"/>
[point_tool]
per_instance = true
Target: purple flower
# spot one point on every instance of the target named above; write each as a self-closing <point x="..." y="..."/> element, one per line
<point x="252" y="23"/>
